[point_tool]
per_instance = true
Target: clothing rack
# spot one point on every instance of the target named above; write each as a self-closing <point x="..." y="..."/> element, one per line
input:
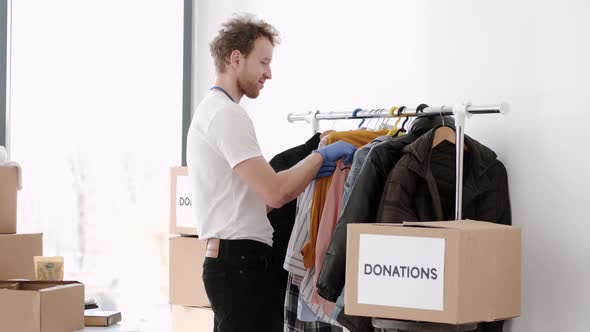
<point x="459" y="111"/>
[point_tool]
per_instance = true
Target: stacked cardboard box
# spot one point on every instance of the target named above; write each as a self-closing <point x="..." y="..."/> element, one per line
<point x="190" y="306"/>
<point x="16" y="250"/>
<point x="8" y="190"/>
<point x="31" y="305"/>
<point x="181" y="210"/>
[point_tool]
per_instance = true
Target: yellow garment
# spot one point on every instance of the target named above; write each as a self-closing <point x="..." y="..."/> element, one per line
<point x="357" y="138"/>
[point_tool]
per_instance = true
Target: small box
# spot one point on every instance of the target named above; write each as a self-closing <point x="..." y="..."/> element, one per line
<point x="42" y="306"/>
<point x="191" y="319"/>
<point x="16" y="255"/>
<point x="454" y="272"/>
<point x="187" y="255"/>
<point x="101" y="318"/>
<point x="8" y="195"/>
<point x="182" y="215"/>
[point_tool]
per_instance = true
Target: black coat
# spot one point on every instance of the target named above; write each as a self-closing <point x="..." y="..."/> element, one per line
<point x="282" y="221"/>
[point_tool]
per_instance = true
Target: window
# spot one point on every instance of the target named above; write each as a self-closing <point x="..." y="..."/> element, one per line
<point x="96" y="100"/>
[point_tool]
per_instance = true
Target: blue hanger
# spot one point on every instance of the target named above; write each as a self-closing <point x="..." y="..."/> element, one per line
<point x="355" y="112"/>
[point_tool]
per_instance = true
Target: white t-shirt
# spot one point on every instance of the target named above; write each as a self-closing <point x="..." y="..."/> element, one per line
<point x="220" y="137"/>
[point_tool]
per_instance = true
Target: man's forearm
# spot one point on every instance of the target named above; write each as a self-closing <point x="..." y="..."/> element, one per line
<point x="294" y="180"/>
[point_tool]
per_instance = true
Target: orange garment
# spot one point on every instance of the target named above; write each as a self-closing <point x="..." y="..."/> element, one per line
<point x="357" y="138"/>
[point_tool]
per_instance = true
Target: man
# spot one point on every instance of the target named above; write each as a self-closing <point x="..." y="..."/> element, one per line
<point x="235" y="186"/>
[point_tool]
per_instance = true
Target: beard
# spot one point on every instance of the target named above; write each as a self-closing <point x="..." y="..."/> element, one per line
<point x="249" y="87"/>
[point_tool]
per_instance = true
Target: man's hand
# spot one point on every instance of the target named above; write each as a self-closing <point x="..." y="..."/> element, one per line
<point x="337" y="151"/>
<point x="328" y="167"/>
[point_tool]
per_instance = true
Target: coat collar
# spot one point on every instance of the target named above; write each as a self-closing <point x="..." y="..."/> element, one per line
<point x="482" y="156"/>
<point x="481" y="159"/>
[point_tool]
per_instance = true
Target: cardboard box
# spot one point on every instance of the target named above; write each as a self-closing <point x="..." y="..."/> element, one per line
<point x="8" y="190"/>
<point x="186" y="271"/>
<point x="101" y="318"/>
<point x="182" y="215"/>
<point x="444" y="272"/>
<point x="16" y="255"/>
<point x="42" y="306"/>
<point x="191" y="319"/>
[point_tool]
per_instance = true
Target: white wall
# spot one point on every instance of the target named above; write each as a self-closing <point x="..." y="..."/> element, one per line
<point x="341" y="55"/>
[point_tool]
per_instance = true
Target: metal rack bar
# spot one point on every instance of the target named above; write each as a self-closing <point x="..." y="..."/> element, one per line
<point x="502" y="108"/>
<point x="460" y="111"/>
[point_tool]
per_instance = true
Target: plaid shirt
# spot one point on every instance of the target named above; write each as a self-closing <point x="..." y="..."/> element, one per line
<point x="292" y="324"/>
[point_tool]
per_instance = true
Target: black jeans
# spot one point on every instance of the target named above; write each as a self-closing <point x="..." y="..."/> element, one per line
<point x="239" y="284"/>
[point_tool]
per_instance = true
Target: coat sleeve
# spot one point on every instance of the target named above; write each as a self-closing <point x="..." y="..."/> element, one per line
<point x="503" y="210"/>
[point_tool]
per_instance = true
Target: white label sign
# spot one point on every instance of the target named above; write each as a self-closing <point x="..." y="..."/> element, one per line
<point x="401" y="271"/>
<point x="185" y="215"/>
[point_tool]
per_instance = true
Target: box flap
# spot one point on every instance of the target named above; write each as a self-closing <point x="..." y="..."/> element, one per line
<point x="62" y="307"/>
<point x="35" y="285"/>
<point x="383" y="224"/>
<point x="9" y="285"/>
<point x="49" y="287"/>
<point x="456" y="224"/>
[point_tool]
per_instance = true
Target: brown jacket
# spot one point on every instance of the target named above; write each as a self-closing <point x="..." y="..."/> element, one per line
<point x="412" y="193"/>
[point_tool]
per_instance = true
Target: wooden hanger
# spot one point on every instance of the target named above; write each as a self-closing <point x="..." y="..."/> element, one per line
<point x="443" y="134"/>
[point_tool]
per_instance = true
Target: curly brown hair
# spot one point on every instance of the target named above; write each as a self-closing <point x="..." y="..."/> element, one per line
<point x="239" y="33"/>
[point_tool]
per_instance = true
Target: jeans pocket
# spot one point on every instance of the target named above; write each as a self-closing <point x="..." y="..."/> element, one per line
<point x="213" y="268"/>
<point x="211" y="261"/>
<point x="255" y="263"/>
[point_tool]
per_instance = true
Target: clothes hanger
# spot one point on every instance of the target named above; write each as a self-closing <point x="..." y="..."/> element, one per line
<point x="391" y="114"/>
<point x="355" y="112"/>
<point x="444" y="133"/>
<point x="371" y="112"/>
<point x="419" y="109"/>
<point x="385" y="121"/>
<point x="402" y="129"/>
<point x="377" y="120"/>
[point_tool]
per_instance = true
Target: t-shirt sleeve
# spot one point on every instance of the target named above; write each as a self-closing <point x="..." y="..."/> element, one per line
<point x="231" y="133"/>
